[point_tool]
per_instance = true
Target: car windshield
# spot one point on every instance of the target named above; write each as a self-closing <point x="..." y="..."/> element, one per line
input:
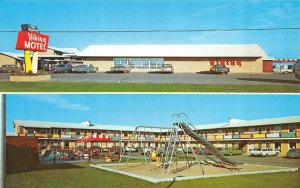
<point x="257" y="149"/>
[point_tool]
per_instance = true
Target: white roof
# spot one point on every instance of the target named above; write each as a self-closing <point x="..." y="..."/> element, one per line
<point x="13" y="55"/>
<point x="47" y="125"/>
<point x="174" y="50"/>
<point x="65" y="50"/>
<point x="251" y="123"/>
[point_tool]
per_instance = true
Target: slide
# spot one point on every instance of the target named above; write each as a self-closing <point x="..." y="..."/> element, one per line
<point x="207" y="144"/>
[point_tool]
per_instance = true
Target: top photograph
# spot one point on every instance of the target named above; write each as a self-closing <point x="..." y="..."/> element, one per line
<point x="250" y="46"/>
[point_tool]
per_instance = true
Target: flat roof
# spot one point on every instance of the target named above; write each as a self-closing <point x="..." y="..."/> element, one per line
<point x="251" y="123"/>
<point x="88" y="126"/>
<point x="174" y="50"/>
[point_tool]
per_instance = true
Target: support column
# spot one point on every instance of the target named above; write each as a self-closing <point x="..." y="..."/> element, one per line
<point x="28" y="65"/>
<point x="35" y="62"/>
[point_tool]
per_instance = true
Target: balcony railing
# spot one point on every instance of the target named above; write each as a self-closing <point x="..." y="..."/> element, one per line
<point x="75" y="136"/>
<point x="288" y="135"/>
<point x="236" y="136"/>
<point x="273" y="135"/>
<point x="55" y="136"/>
<point x="66" y="136"/>
<point x="30" y="134"/>
<point x="219" y="137"/>
<point x="259" y="136"/>
<point x="116" y="138"/>
<point x="246" y="136"/>
<point x="41" y="135"/>
<point x="227" y="136"/>
<point x="210" y="137"/>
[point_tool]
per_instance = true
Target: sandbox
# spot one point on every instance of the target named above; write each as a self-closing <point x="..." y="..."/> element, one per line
<point x="155" y="174"/>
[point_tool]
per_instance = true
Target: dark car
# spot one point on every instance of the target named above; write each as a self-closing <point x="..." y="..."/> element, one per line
<point x="62" y="68"/>
<point x="10" y="68"/>
<point x="293" y="153"/>
<point x="219" y="69"/>
<point x="121" y="68"/>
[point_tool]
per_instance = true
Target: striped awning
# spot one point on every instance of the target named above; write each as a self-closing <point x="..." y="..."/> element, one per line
<point x="285" y="60"/>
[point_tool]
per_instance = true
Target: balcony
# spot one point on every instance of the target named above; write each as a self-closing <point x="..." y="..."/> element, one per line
<point x="227" y="136"/>
<point x="30" y="134"/>
<point x="273" y="135"/>
<point x="288" y="135"/>
<point x="259" y="136"/>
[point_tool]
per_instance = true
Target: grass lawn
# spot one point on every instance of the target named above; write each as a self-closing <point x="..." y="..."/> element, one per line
<point x="81" y="175"/>
<point x="142" y="87"/>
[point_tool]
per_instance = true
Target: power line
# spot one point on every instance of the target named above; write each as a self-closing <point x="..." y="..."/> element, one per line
<point x="160" y="30"/>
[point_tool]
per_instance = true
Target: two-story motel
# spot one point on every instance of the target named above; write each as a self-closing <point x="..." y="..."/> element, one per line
<point x="277" y="133"/>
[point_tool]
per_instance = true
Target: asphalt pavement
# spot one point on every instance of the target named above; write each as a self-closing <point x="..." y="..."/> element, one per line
<point x="183" y="78"/>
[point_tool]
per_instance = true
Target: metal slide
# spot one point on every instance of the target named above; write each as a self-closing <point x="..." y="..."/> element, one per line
<point x="207" y="144"/>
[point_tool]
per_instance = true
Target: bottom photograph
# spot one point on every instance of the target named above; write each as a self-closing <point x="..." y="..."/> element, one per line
<point x="152" y="140"/>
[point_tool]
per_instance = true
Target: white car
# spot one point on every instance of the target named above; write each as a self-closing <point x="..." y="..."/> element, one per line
<point x="263" y="152"/>
<point x="167" y="68"/>
<point x="128" y="149"/>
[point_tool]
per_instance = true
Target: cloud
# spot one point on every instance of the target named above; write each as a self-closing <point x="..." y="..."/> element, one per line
<point x="59" y="102"/>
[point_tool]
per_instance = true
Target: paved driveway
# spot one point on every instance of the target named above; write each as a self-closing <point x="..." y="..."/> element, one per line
<point x="186" y="78"/>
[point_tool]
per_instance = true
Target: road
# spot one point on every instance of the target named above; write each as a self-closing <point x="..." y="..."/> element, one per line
<point x="184" y="78"/>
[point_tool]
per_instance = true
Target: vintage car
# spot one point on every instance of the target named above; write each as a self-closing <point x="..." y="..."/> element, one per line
<point x="121" y="68"/>
<point x="10" y="68"/>
<point x="293" y="153"/>
<point x="167" y="68"/>
<point x="219" y="69"/>
<point x="84" y="68"/>
<point x="264" y="152"/>
<point x="231" y="151"/>
<point x="62" y="68"/>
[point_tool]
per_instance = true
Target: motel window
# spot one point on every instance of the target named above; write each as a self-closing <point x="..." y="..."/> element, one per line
<point x="292" y="128"/>
<point x="241" y="131"/>
<point x="21" y="130"/>
<point x="226" y="132"/>
<point x="156" y="135"/>
<point x="251" y="130"/>
<point x="233" y="131"/>
<point x="156" y="145"/>
<point x="125" y="133"/>
<point x="67" y="131"/>
<point x="140" y="63"/>
<point x="267" y="145"/>
<point x="30" y="131"/>
<point x="99" y="132"/>
<point x="85" y="133"/>
<point x="268" y="130"/>
<point x="44" y="131"/>
<point x="77" y="132"/>
<point x="277" y="129"/>
<point x="260" y="130"/>
<point x="259" y="145"/>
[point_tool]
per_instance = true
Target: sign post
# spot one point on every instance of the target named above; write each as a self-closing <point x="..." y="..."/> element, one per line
<point x="29" y="39"/>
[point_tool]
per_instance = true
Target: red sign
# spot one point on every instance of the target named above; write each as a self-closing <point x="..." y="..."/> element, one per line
<point x="32" y="41"/>
<point x="228" y="62"/>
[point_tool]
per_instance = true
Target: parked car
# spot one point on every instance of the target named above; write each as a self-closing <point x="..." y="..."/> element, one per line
<point x="167" y="68"/>
<point x="263" y="152"/>
<point x="293" y="153"/>
<point x="231" y="151"/>
<point x="283" y="69"/>
<point x="10" y="68"/>
<point x="146" y="151"/>
<point x="121" y="68"/>
<point x="62" y="68"/>
<point x="84" y="68"/>
<point x="129" y="149"/>
<point x="219" y="69"/>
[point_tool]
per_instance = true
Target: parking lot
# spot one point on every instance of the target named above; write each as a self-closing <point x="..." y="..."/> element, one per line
<point x="183" y="78"/>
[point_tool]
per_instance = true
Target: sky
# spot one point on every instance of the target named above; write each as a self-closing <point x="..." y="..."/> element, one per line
<point x="66" y="15"/>
<point x="147" y="109"/>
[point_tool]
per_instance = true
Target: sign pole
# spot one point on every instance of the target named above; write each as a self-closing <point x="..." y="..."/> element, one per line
<point x="28" y="65"/>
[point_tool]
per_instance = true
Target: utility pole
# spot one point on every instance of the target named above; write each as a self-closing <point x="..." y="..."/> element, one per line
<point x="2" y="140"/>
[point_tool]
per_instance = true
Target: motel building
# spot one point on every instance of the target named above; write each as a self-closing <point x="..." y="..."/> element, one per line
<point x="240" y="58"/>
<point x="279" y="134"/>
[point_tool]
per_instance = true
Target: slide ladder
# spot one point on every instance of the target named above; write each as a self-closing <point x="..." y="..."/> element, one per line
<point x="214" y="151"/>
